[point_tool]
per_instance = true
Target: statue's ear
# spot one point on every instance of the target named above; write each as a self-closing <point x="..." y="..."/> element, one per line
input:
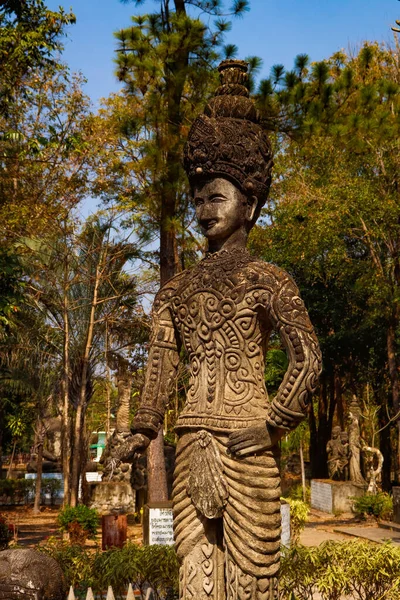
<point x="251" y="208"/>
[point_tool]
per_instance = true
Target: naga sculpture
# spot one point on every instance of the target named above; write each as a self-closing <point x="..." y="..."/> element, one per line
<point x="226" y="495"/>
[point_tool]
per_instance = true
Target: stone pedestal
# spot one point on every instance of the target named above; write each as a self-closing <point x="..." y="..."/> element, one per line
<point x="334" y="496"/>
<point x="113" y="498"/>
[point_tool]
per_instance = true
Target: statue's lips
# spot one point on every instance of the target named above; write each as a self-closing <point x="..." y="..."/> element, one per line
<point x="208" y="224"/>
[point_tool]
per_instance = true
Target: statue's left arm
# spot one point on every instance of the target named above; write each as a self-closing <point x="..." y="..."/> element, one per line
<point x="290" y="319"/>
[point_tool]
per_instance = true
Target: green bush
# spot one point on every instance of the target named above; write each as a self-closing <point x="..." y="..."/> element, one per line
<point x="141" y="566"/>
<point x="75" y="561"/>
<point x="378" y="505"/>
<point x="17" y="491"/>
<point x="298" y="517"/>
<point x="296" y="493"/>
<point x="6" y="532"/>
<point x="87" y="518"/>
<point x="352" y="569"/>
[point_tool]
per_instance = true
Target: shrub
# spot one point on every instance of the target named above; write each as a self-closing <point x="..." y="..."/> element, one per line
<point x="296" y="493"/>
<point x="378" y="505"/>
<point x="298" y="517"/>
<point x="79" y="521"/>
<point x="335" y="569"/>
<point x="142" y="566"/>
<point x="75" y="561"/>
<point x="52" y="487"/>
<point x="6" y="532"/>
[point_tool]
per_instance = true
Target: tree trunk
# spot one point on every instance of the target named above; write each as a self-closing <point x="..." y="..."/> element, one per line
<point x="319" y="436"/>
<point x="39" y="468"/>
<point x="386" y="449"/>
<point x="66" y="421"/>
<point x="394" y="380"/>
<point x="157" y="490"/>
<point x="11" y="459"/>
<point x="82" y="400"/>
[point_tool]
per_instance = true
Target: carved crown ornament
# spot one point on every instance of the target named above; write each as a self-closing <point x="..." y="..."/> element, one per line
<point x="228" y="139"/>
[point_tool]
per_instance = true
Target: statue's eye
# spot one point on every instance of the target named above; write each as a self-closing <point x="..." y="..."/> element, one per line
<point x="198" y="201"/>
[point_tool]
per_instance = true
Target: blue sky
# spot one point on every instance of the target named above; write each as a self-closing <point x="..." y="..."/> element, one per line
<point x="275" y="30"/>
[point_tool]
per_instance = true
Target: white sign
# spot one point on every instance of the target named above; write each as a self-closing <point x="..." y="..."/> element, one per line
<point x="160" y="526"/>
<point x="285" y="520"/>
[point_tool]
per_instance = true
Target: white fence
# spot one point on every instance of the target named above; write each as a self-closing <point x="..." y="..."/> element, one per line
<point x="131" y="594"/>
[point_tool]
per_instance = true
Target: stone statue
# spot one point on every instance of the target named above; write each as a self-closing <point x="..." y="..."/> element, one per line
<point x="355" y="443"/>
<point x="30" y="575"/>
<point x="374" y="463"/>
<point x="226" y="494"/>
<point x="333" y="451"/>
<point x="344" y="453"/>
<point x="338" y="451"/>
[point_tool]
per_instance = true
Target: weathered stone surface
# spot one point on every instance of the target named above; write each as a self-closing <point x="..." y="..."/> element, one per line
<point x="334" y="496"/>
<point x="338" y="452"/>
<point x="226" y="495"/>
<point x="113" y="497"/>
<point x="30" y="574"/>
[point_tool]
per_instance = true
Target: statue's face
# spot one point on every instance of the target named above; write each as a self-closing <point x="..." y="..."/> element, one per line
<point x="221" y="208"/>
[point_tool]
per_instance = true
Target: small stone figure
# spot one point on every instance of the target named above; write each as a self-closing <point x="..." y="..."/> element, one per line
<point x="226" y="496"/>
<point x="355" y="443"/>
<point x="374" y="464"/>
<point x="333" y="451"/>
<point x="338" y="451"/>
<point x="344" y="456"/>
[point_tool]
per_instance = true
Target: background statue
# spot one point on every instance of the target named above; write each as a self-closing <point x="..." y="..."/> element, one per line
<point x="226" y="494"/>
<point x="332" y="449"/>
<point x="355" y="443"/>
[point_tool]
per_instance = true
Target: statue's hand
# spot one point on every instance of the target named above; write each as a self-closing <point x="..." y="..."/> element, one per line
<point x="136" y="444"/>
<point x="253" y="439"/>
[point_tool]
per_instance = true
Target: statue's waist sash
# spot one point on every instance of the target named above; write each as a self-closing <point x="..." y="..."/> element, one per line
<point x="216" y="422"/>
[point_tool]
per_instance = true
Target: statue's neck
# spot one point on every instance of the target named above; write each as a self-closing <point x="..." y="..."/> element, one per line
<point x="237" y="240"/>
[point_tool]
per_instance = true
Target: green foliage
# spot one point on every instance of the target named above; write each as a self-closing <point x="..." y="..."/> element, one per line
<point x="29" y="37"/>
<point x="276" y="366"/>
<point x="156" y="566"/>
<point x="6" y="532"/>
<point x="298" y="517"/>
<point x="378" y="505"/>
<point x="17" y="491"/>
<point x="341" y="569"/>
<point x="296" y="493"/>
<point x="51" y="487"/>
<point x="87" y="518"/>
<point x="75" y="561"/>
<point x="357" y="569"/>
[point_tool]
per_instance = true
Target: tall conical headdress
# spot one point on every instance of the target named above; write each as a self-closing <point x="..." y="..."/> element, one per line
<point x="228" y="140"/>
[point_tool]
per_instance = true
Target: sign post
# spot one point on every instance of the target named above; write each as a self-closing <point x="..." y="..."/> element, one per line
<point x="158" y="524"/>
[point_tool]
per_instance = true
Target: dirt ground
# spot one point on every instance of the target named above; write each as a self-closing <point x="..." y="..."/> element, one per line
<point x="35" y="529"/>
<point x="32" y="530"/>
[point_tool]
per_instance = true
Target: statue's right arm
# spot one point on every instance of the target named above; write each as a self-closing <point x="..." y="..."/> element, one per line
<point x="161" y="368"/>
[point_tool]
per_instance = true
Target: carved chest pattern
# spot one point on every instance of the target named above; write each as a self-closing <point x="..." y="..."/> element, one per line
<point x="219" y="310"/>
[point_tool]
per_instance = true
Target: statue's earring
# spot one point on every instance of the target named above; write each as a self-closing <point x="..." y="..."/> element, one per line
<point x="251" y="207"/>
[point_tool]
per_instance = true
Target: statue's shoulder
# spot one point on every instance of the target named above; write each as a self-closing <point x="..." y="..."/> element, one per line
<point x="266" y="274"/>
<point x="169" y="289"/>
